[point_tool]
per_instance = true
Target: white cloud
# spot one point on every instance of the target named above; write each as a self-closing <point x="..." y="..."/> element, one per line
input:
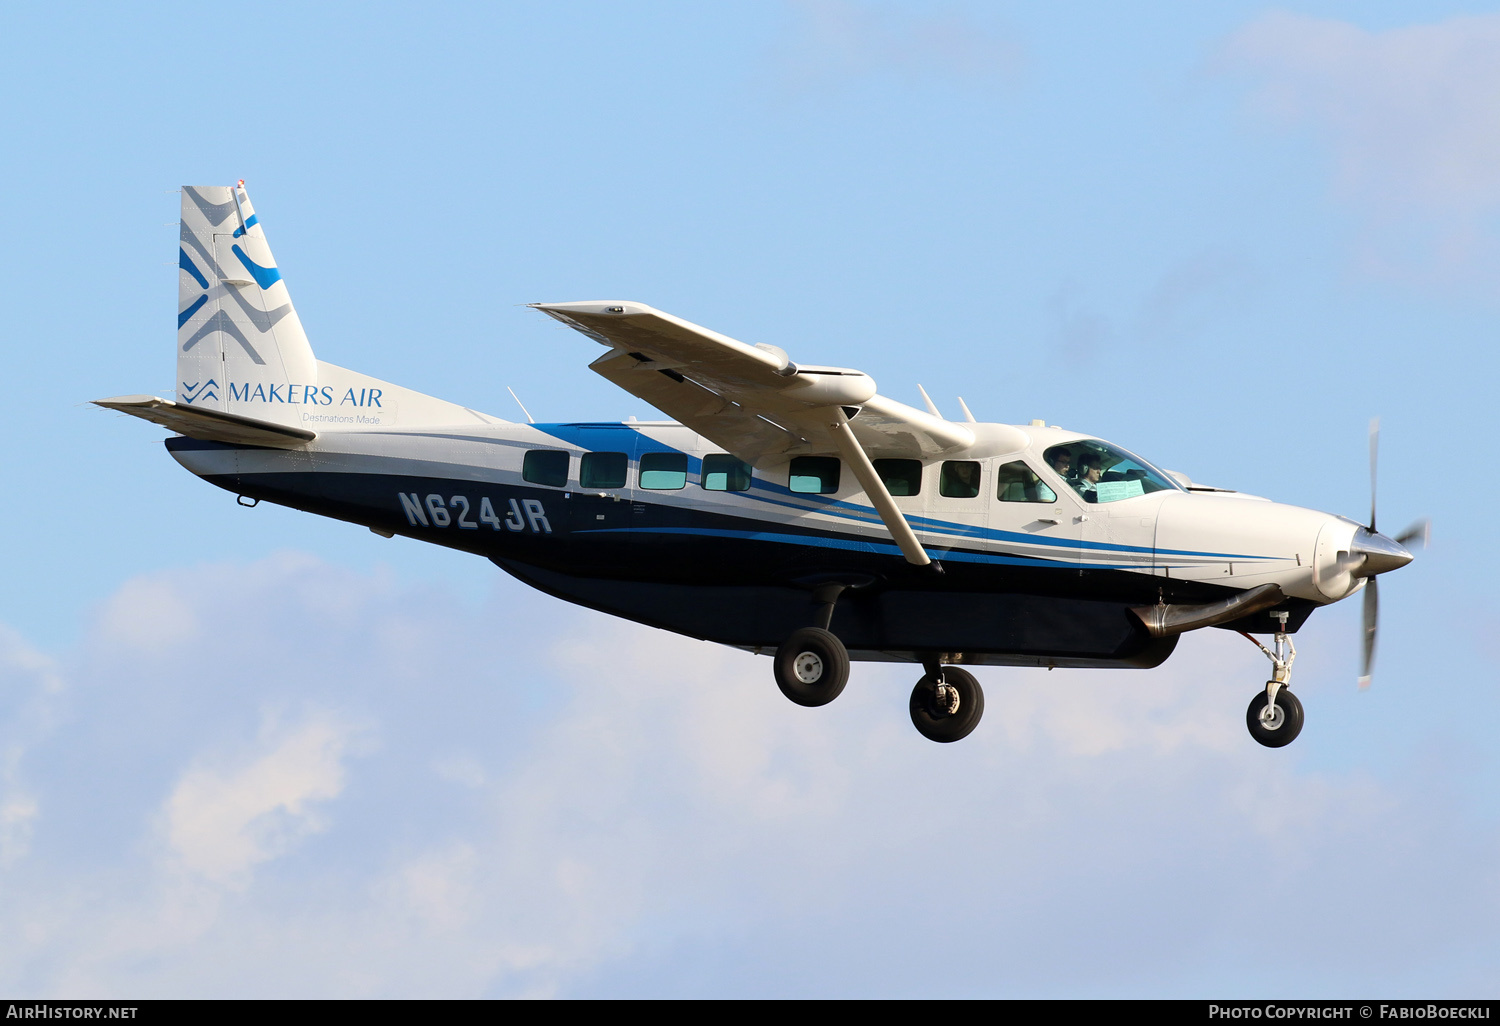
<point x="223" y="821"/>
<point x="644" y="814"/>
<point x="1411" y="116"/>
<point x="32" y="687"/>
<point x="460" y="768"/>
<point x="149" y="614"/>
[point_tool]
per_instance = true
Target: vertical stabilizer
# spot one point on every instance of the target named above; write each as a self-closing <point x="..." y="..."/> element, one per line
<point x="240" y="346"/>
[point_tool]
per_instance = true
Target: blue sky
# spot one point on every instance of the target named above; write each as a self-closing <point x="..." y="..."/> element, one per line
<point x="251" y="752"/>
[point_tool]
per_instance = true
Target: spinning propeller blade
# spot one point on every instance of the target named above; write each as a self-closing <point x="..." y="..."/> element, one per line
<point x="1420" y="533"/>
<point x="1372" y="618"/>
<point x="1379" y="555"/>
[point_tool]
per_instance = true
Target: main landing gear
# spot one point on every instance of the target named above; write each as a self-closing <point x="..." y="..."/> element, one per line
<point x="812" y="667"/>
<point x="946" y="703"/>
<point x="1275" y="714"/>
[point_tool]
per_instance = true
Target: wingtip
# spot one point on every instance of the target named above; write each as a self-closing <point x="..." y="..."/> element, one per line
<point x="595" y="306"/>
<point x="116" y="402"/>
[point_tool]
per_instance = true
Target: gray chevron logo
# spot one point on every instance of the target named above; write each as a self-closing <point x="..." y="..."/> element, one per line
<point x="221" y="322"/>
<point x="214" y="212"/>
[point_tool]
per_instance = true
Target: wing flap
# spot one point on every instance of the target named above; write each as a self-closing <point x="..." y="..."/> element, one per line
<point x="209" y="425"/>
<point x="717" y="418"/>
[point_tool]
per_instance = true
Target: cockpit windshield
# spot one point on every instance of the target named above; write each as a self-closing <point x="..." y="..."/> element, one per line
<point x="1100" y="472"/>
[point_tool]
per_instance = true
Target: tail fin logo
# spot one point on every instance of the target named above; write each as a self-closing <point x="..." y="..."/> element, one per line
<point x="183" y="316"/>
<point x="186" y="263"/>
<point x="265" y="277"/>
<point x="194" y="393"/>
<point x="214" y="213"/>
<point x="232" y="297"/>
<point x="221" y="322"/>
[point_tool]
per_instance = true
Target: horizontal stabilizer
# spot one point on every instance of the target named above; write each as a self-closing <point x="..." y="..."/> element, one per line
<point x="209" y="425"/>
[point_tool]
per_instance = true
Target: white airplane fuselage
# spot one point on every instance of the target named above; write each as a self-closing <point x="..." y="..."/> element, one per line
<point x="1022" y="583"/>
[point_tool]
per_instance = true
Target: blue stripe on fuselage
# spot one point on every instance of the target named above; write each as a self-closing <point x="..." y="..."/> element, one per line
<point x="861" y="545"/>
<point x="606" y="437"/>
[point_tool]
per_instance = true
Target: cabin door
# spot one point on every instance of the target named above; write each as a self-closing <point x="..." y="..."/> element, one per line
<point x="1030" y="522"/>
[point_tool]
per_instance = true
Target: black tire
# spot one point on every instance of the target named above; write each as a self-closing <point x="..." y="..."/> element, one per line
<point x="1284" y="732"/>
<point x="934" y="721"/>
<point x="812" y="666"/>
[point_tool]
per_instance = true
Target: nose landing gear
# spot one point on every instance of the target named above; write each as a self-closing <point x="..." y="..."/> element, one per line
<point x="1275" y="714"/>
<point x="1274" y="726"/>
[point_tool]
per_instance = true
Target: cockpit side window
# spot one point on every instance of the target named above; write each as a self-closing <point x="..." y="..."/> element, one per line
<point x="1016" y="482"/>
<point x="1100" y="472"/>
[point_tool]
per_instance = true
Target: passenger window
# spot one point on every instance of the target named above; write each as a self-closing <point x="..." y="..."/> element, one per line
<point x="664" y="471"/>
<point x="603" y="470"/>
<point x="960" y="479"/>
<point x="724" y="473"/>
<point x="545" y="467"/>
<point x="900" y="477"/>
<point x="1016" y="482"/>
<point x="815" y="474"/>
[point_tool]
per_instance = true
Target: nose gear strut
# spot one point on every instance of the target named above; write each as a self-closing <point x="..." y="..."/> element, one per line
<point x="1275" y="716"/>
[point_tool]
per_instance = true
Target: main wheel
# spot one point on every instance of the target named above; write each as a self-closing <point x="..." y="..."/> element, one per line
<point x="1282" y="726"/>
<point x="812" y="666"/>
<point x="951" y="715"/>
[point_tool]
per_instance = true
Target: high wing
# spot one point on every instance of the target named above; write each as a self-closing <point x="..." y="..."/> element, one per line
<point x="752" y="400"/>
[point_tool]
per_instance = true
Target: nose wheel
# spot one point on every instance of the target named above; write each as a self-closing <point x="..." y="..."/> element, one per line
<point x="946" y="705"/>
<point x="1274" y="725"/>
<point x="1275" y="714"/>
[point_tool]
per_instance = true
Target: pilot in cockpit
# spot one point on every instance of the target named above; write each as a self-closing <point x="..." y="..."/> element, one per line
<point x="1061" y="460"/>
<point x="1090" y="470"/>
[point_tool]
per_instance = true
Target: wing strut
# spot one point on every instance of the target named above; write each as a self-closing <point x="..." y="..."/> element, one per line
<point x="875" y="488"/>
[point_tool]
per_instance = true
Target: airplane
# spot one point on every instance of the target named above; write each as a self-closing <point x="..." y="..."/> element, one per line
<point x="784" y="508"/>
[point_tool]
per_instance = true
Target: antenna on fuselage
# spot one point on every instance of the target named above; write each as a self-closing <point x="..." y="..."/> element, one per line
<point x="968" y="417"/>
<point x="931" y="406"/>
<point x="529" y="418"/>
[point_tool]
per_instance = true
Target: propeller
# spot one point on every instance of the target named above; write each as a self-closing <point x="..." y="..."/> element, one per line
<point x="1380" y="555"/>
